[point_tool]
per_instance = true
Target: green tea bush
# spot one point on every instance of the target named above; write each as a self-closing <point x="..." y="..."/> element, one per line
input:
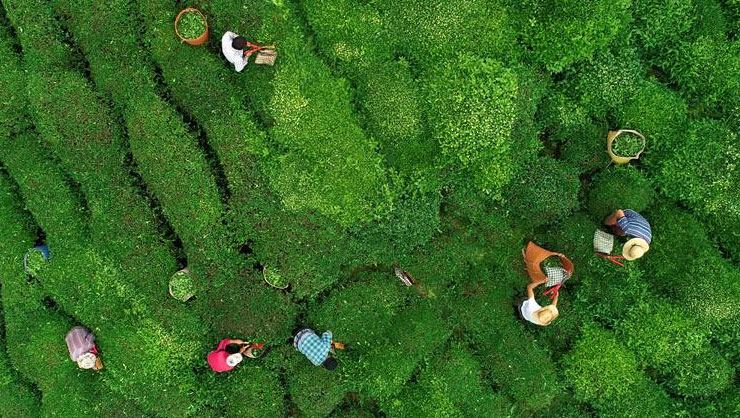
<point x="605" y="374"/>
<point x="267" y="317"/>
<point x="17" y="398"/>
<point x="676" y="347"/>
<point x="659" y="114"/>
<point x="606" y="82"/>
<point x="563" y="33"/>
<point x="32" y="336"/>
<point x="413" y="334"/>
<point x="705" y="284"/>
<point x="473" y="121"/>
<point x="582" y="141"/>
<point x="166" y="152"/>
<point x="356" y="38"/>
<point x="253" y="391"/>
<point x="702" y="173"/>
<point x="543" y="192"/>
<point x="438" y="137"/>
<point x="506" y="353"/>
<point x="303" y="247"/>
<point x="449" y="386"/>
<point x="14" y="106"/>
<point x="314" y="390"/>
<point x="704" y="69"/>
<point x="360" y="313"/>
<point x="392" y="110"/>
<point x="661" y="24"/>
<point x="351" y="33"/>
<point x="355" y="192"/>
<point x="42" y="183"/>
<point x="325" y="161"/>
<point x="621" y="187"/>
<point x="435" y="32"/>
<point x="411" y="223"/>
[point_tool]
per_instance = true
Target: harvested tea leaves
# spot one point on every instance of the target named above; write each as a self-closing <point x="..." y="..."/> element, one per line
<point x="191" y="25"/>
<point x="35" y="261"/>
<point x="627" y="145"/>
<point x="274" y="278"/>
<point x="181" y="286"/>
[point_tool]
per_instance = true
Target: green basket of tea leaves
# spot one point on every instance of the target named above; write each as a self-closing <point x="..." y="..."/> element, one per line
<point x="274" y="278"/>
<point x="182" y="286"/>
<point x="624" y="145"/>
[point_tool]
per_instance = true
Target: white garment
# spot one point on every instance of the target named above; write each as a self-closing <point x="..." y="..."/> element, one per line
<point x="234" y="56"/>
<point x="528" y="308"/>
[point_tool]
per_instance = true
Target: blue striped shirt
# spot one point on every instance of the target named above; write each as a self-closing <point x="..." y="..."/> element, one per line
<point x="314" y="348"/>
<point x="635" y="225"/>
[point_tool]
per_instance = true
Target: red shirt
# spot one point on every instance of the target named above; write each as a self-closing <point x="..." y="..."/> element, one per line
<point x="217" y="357"/>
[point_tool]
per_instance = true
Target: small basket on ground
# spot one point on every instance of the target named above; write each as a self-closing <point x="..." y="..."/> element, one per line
<point x="34" y="258"/>
<point x="613" y="136"/>
<point x="181" y="285"/>
<point x="189" y="16"/>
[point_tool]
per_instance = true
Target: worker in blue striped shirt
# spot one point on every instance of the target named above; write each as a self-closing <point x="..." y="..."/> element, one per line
<point x="631" y="224"/>
<point x="316" y="349"/>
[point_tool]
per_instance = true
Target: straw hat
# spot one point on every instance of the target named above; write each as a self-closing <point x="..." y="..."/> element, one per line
<point x="546" y="314"/>
<point x="87" y="361"/>
<point x="233" y="359"/>
<point x="635" y="248"/>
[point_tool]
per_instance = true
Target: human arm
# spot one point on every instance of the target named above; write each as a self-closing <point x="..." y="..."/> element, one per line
<point x="614" y="217"/>
<point x="531" y="286"/>
<point x="326" y="338"/>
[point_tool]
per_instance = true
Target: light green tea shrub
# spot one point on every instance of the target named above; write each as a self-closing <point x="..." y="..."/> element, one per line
<point x="605" y="374"/>
<point x="562" y="33"/>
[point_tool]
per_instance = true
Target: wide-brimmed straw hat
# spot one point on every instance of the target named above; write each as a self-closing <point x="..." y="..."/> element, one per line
<point x="233" y="359"/>
<point x="550" y="311"/>
<point x="635" y="248"/>
<point x="87" y="361"/>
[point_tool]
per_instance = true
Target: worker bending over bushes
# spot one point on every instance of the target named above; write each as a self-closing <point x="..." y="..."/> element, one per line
<point x="237" y="51"/>
<point x="534" y="312"/>
<point x="82" y="348"/>
<point x="230" y="353"/>
<point x="631" y="224"/>
<point x="317" y="349"/>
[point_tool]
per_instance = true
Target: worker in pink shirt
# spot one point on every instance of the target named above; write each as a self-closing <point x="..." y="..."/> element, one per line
<point x="230" y="353"/>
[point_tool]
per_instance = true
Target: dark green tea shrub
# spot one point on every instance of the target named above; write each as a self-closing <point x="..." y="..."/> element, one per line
<point x="191" y="25"/>
<point x="706" y="71"/>
<point x="561" y="33"/>
<point x="620" y="187"/>
<point x="677" y="347"/>
<point x="543" y="192"/>
<point x="450" y="384"/>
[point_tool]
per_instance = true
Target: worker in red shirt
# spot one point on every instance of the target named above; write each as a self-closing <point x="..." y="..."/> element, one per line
<point x="230" y="353"/>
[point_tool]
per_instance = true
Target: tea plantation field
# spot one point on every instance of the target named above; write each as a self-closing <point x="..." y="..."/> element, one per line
<point x="438" y="136"/>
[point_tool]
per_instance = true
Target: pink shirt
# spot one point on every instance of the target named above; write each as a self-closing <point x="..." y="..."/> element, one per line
<point x="217" y="357"/>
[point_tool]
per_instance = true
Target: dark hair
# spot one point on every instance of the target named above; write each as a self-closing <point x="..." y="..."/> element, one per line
<point x="233" y="348"/>
<point x="239" y="42"/>
<point x="330" y="363"/>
